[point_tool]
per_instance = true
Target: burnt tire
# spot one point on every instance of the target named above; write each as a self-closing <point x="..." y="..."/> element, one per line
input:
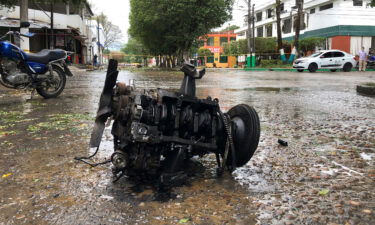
<point x="313" y="67"/>
<point x="347" y="67"/>
<point x="60" y="78"/>
<point x="246" y="133"/>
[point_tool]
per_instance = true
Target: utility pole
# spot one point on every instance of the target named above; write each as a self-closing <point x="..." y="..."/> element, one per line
<point x="250" y="50"/>
<point x="98" y="31"/>
<point x="24" y="17"/>
<point x="253" y="64"/>
<point x="52" y="40"/>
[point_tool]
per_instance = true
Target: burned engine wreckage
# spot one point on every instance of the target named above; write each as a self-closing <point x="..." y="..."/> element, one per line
<point x="157" y="131"/>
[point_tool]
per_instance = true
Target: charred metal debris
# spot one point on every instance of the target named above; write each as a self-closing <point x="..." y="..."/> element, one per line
<point x="156" y="132"/>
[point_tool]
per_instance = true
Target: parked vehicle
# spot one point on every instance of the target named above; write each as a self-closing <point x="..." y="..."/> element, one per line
<point x="44" y="71"/>
<point x="329" y="59"/>
<point x="371" y="62"/>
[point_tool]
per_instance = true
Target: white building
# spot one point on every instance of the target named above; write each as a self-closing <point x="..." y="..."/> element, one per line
<point x="346" y="24"/>
<point x="71" y="28"/>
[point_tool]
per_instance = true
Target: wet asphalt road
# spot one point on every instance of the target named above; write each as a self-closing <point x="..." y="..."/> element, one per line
<point x="325" y="176"/>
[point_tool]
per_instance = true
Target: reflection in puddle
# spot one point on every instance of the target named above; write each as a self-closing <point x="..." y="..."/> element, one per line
<point x="267" y="89"/>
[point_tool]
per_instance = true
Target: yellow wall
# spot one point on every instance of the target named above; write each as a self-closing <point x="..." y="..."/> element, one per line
<point x="231" y="59"/>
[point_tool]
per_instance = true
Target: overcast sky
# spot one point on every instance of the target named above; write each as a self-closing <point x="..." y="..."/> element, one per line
<point x="118" y="13"/>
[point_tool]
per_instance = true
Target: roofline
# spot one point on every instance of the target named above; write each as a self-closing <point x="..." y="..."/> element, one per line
<point x="89" y="8"/>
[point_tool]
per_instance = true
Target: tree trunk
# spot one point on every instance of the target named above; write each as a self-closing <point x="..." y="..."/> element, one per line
<point x="168" y="57"/>
<point x="157" y="61"/>
<point x="180" y="58"/>
<point x="279" y="31"/>
<point x="278" y="21"/>
<point x="145" y="62"/>
<point x="173" y="61"/>
<point x="161" y="62"/>
<point x="299" y="4"/>
<point x="164" y="64"/>
<point x="24" y="9"/>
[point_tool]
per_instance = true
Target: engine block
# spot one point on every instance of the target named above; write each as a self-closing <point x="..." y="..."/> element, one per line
<point x="156" y="131"/>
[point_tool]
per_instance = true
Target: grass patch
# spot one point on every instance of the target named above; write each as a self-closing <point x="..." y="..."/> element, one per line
<point x="371" y="84"/>
<point x="10" y="117"/>
<point x="7" y="133"/>
<point x="60" y="122"/>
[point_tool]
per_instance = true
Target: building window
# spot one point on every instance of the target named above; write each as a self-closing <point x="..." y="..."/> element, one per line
<point x="260" y="31"/>
<point x="357" y="3"/>
<point x="312" y="11"/>
<point x="210" y="41"/>
<point x="269" y="30"/>
<point x="223" y="40"/>
<point x="232" y="39"/>
<point x="325" y="7"/>
<point x="223" y="59"/>
<point x="282" y="7"/>
<point x="270" y="13"/>
<point x="210" y="59"/>
<point x="259" y="16"/>
<point x="287" y="26"/>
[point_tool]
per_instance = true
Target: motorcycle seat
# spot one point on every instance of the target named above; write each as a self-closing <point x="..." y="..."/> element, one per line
<point x="46" y="55"/>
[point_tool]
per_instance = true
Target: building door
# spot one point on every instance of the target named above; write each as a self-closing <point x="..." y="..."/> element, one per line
<point x="326" y="60"/>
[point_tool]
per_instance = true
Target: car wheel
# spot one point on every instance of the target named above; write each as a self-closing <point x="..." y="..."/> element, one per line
<point x="347" y="67"/>
<point x="333" y="70"/>
<point x="313" y="67"/>
<point x="300" y="71"/>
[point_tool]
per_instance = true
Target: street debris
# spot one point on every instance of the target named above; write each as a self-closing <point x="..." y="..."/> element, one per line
<point x="6" y="175"/>
<point x="282" y="142"/>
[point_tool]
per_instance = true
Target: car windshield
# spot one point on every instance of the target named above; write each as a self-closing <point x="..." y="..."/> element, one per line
<point x="316" y="54"/>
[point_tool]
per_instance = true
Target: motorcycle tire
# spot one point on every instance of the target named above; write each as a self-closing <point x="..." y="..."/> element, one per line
<point x="45" y="93"/>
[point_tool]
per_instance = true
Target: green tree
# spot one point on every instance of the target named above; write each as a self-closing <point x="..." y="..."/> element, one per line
<point x="264" y="45"/>
<point x="8" y="3"/>
<point x="204" y="52"/>
<point x="309" y="44"/>
<point x="135" y="52"/>
<point x="170" y="27"/>
<point x="231" y="27"/>
<point x="372" y="3"/>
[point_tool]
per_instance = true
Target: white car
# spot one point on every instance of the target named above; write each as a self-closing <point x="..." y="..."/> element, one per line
<point x="329" y="59"/>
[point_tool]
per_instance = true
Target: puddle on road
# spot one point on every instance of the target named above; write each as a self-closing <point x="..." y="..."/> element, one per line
<point x="268" y="89"/>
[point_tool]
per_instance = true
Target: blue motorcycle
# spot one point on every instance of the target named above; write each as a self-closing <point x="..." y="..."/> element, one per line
<point x="371" y="62"/>
<point x="44" y="71"/>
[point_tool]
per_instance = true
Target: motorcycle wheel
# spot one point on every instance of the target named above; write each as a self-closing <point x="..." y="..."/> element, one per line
<point x="54" y="86"/>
